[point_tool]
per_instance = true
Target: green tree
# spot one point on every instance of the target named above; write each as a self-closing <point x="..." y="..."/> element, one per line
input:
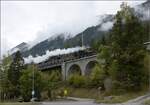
<point x="4" y="82"/>
<point x="106" y="57"/>
<point x="99" y="42"/>
<point x="52" y="81"/>
<point x="127" y="38"/>
<point x="14" y="72"/>
<point x="26" y="82"/>
<point x="103" y="40"/>
<point x="97" y="76"/>
<point x="76" y="80"/>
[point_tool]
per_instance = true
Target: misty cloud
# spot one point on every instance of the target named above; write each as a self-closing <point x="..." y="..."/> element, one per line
<point x="144" y="11"/>
<point x="106" y="26"/>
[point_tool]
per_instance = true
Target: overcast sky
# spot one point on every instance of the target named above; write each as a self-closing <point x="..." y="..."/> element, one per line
<point x="32" y="21"/>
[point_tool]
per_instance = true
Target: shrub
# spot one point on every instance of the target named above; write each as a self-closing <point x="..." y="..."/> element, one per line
<point x="52" y="81"/>
<point x="76" y="80"/>
<point x="26" y="83"/>
<point x="97" y="76"/>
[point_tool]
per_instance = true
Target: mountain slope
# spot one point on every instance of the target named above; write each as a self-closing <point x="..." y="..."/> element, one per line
<point x="89" y="35"/>
<point x="21" y="47"/>
<point x="45" y="45"/>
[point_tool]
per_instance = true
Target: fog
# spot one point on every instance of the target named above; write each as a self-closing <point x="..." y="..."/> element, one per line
<point x="144" y="10"/>
<point x="106" y="26"/>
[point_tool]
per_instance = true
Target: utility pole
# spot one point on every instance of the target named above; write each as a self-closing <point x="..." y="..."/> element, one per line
<point x="33" y="91"/>
<point x="82" y="41"/>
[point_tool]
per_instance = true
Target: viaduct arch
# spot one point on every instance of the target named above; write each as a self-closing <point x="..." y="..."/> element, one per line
<point x="82" y="65"/>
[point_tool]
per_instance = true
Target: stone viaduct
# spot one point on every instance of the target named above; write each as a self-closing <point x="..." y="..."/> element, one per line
<point x="80" y="62"/>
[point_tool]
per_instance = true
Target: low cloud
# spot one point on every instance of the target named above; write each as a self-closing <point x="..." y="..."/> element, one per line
<point x="106" y="26"/>
<point x="143" y="10"/>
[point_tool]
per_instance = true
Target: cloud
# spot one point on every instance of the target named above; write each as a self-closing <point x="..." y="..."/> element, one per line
<point x="107" y="26"/>
<point x="144" y="10"/>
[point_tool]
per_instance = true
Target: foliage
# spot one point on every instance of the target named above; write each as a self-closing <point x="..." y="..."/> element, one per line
<point x="55" y="76"/>
<point x="96" y="43"/>
<point x="5" y="86"/>
<point x="147" y="102"/>
<point x="52" y="81"/>
<point x="97" y="76"/>
<point x="90" y="93"/>
<point x="76" y="80"/>
<point x="26" y="82"/>
<point x="95" y="79"/>
<point x="14" y="72"/>
<point x="105" y="55"/>
<point x="128" y="54"/>
<point x="146" y="68"/>
<point x="124" y="56"/>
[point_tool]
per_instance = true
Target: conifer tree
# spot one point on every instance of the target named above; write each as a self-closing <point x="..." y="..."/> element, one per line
<point x="14" y="72"/>
<point x="127" y="38"/>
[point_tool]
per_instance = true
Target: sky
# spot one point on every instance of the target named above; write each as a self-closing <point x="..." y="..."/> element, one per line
<point x="34" y="21"/>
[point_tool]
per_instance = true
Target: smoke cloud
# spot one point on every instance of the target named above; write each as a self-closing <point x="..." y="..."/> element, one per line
<point x="48" y="54"/>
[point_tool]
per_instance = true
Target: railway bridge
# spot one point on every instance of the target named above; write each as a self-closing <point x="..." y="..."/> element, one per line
<point x="78" y="62"/>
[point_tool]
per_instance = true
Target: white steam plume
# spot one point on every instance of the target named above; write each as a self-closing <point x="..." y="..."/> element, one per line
<point x="48" y="54"/>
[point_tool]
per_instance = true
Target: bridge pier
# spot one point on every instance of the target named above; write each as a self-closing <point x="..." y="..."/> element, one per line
<point x="63" y="70"/>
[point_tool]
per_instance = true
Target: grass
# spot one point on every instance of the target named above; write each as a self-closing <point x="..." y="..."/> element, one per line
<point x="147" y="102"/>
<point x="19" y="103"/>
<point x="83" y="92"/>
<point x="121" y="98"/>
<point x="114" y="97"/>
